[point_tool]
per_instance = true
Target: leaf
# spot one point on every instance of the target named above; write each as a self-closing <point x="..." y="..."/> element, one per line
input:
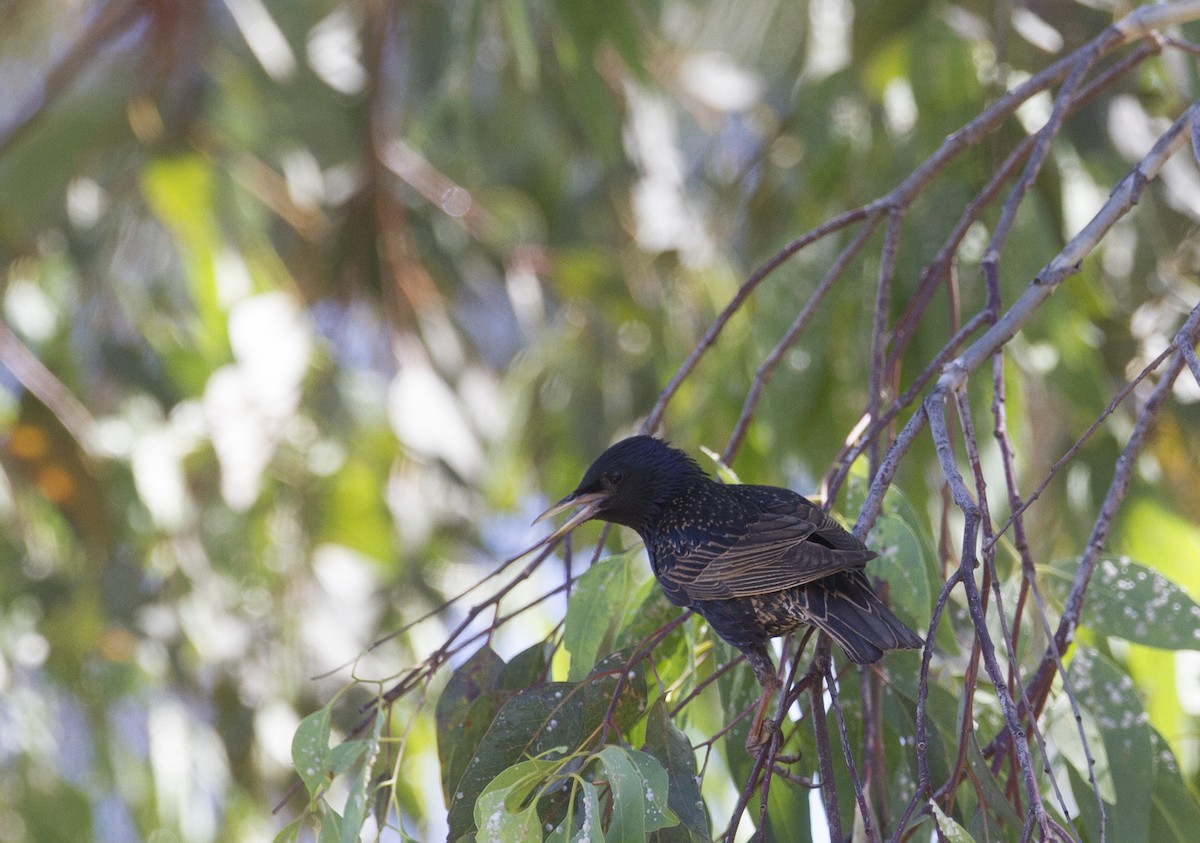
<point x="475" y="677"/>
<point x="354" y="813"/>
<point x="310" y="750"/>
<point x="317" y="764"/>
<point x="656" y="788"/>
<point x="667" y="743"/>
<point x="501" y="812"/>
<point x="990" y="791"/>
<point x="902" y="564"/>
<point x="951" y="831"/>
<point x="1108" y="694"/>
<point x="593" y="611"/>
<point x="646" y="612"/>
<point x="343" y="756"/>
<point x="331" y="827"/>
<point x="536" y="720"/>
<point x="526" y="668"/>
<point x="1132" y="601"/>
<point x="290" y="831"/>
<point x="462" y="737"/>
<point x="1063" y="729"/>
<point x="590" y="828"/>
<point x="1174" y="812"/>
<point x="639" y="791"/>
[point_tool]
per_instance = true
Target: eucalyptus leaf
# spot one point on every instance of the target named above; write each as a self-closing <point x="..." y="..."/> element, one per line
<point x="949" y="830"/>
<point x="593" y="610"/>
<point x="1133" y="601"/>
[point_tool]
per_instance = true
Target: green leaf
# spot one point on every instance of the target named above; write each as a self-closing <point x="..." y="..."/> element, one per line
<point x="331" y="827"/>
<point x="290" y="831"/>
<point x="594" y="609"/>
<point x="639" y="805"/>
<point x="656" y="787"/>
<point x="989" y="789"/>
<point x="1109" y="695"/>
<point x="1174" y="811"/>
<point x="501" y="812"/>
<point x="342" y="757"/>
<point x="951" y="831"/>
<point x="310" y="750"/>
<point x="902" y="564"/>
<point x="590" y="828"/>
<point x="1063" y="729"/>
<point x="537" y="720"/>
<point x="1131" y="601"/>
<point x="317" y="764"/>
<point x="354" y="813"/>
<point x="462" y="737"/>
<point x="457" y="733"/>
<point x="667" y="743"/>
<point x="526" y="668"/>
<point x="646" y="612"/>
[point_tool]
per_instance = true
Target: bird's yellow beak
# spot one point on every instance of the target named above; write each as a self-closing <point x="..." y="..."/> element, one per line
<point x="588" y="505"/>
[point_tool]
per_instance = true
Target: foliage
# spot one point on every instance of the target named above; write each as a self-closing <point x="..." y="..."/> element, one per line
<point x="308" y="307"/>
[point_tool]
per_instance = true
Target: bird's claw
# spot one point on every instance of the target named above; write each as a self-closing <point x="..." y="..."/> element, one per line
<point x="758" y="740"/>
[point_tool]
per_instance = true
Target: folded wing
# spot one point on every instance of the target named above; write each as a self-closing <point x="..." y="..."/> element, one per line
<point x="785" y="541"/>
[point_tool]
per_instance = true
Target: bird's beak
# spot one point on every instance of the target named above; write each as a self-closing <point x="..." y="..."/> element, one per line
<point x="588" y="504"/>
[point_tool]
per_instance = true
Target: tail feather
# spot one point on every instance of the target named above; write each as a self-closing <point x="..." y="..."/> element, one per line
<point x="846" y="607"/>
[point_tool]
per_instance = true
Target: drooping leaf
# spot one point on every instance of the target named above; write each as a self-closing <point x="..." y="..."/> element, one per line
<point x="639" y="792"/>
<point x="503" y="811"/>
<point x="354" y="813"/>
<point x="667" y="743"/>
<point x="951" y="831"/>
<point x="1064" y="729"/>
<point x="586" y="796"/>
<point x="474" y="678"/>
<point x="902" y="564"/>
<point x="1108" y="693"/>
<point x="990" y="791"/>
<point x="1174" y="812"/>
<point x="310" y="750"/>
<point x="593" y="611"/>
<point x="536" y="720"/>
<point x="331" y="827"/>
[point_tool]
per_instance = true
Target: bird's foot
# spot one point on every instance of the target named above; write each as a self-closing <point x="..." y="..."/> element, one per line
<point x="759" y="739"/>
<point x="762" y="728"/>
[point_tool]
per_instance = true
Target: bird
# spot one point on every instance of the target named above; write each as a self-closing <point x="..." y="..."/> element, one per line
<point x="755" y="562"/>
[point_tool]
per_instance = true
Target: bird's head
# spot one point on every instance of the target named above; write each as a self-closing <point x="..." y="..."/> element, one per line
<point x="627" y="484"/>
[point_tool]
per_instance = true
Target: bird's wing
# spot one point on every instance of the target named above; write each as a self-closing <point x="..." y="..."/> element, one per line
<point x="790" y="543"/>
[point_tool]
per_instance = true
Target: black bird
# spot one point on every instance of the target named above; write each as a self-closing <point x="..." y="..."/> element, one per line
<point x="755" y="561"/>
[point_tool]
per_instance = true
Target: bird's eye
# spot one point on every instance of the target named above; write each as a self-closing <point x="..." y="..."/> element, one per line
<point x="611" y="478"/>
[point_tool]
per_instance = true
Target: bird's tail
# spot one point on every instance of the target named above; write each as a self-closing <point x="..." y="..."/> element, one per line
<point x="846" y="607"/>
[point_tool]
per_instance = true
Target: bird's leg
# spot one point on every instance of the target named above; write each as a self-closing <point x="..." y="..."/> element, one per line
<point x="764" y="670"/>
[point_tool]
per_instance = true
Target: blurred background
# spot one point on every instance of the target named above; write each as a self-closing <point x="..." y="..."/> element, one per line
<point x="310" y="306"/>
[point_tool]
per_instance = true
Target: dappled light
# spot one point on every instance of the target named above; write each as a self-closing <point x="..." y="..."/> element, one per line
<point x="309" y="309"/>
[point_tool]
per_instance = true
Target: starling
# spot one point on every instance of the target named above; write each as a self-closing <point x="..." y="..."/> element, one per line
<point x="755" y="561"/>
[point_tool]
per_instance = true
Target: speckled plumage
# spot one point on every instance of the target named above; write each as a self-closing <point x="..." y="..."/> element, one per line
<point x="754" y="561"/>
